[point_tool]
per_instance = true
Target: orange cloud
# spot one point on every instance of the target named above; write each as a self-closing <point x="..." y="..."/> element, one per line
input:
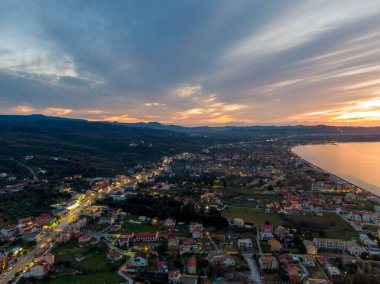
<point x="23" y="109"/>
<point x="56" y="111"/>
<point x="125" y="118"/>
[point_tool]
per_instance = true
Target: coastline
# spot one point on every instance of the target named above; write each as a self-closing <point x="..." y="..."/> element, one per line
<point x="330" y="173"/>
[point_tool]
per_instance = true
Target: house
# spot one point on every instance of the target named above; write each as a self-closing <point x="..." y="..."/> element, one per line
<point x="79" y="258"/>
<point x="354" y="248"/>
<point x="368" y="242"/>
<point x="49" y="258"/>
<point x="308" y="260"/>
<point x="192" y="265"/>
<point x="285" y="258"/>
<point x="146" y="237"/>
<point x="293" y="272"/>
<point x="85" y="239"/>
<point x="280" y="232"/>
<point x="44" y="219"/>
<point x="174" y="277"/>
<point x="244" y="243"/>
<point x="195" y="225"/>
<point x="238" y="222"/>
<point x="266" y="232"/>
<point x="197" y="233"/>
<point x="39" y="269"/>
<point x="329" y="244"/>
<point x="64" y="238"/>
<point x="162" y="267"/>
<point x="310" y="247"/>
<point x="189" y="245"/>
<point x="131" y="269"/>
<point x="140" y="259"/>
<point x="143" y="219"/>
<point x="268" y="262"/>
<point x="114" y="256"/>
<point x="173" y="241"/>
<point x="222" y="258"/>
<point x="3" y="261"/>
<point x="333" y="272"/>
<point x="169" y="222"/>
<point x="11" y="231"/>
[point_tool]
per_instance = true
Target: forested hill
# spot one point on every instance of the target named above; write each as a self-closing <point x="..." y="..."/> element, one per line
<point x="68" y="146"/>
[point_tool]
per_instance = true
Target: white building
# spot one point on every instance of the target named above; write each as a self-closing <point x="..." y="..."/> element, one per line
<point x="329" y="244"/>
<point x="244" y="243"/>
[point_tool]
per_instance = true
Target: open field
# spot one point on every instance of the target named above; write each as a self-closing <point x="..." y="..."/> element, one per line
<point x="14" y="208"/>
<point x="89" y="278"/>
<point x="143" y="227"/>
<point x="330" y="225"/>
<point x="252" y="215"/>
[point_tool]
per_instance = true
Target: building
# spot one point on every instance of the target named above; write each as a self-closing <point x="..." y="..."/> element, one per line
<point x="310" y="247"/>
<point x="189" y="245"/>
<point x="333" y="272"/>
<point x="197" y="233"/>
<point x="329" y="244"/>
<point x="222" y="258"/>
<point x="275" y="245"/>
<point x="195" y="225"/>
<point x="354" y="248"/>
<point x="174" y="277"/>
<point x="3" y="261"/>
<point x="192" y="265"/>
<point x="140" y="259"/>
<point x="268" y="262"/>
<point x="162" y="267"/>
<point x="238" y="222"/>
<point x="244" y="244"/>
<point x="146" y="237"/>
<point x="49" y="258"/>
<point x="85" y="239"/>
<point x="266" y="232"/>
<point x="169" y="222"/>
<point x="173" y="241"/>
<point x="63" y="238"/>
<point x="114" y="256"/>
<point x="368" y="242"/>
<point x="39" y="269"/>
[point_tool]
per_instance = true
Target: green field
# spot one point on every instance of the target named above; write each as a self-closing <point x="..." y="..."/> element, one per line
<point x="252" y="215"/>
<point x="23" y="205"/>
<point x="95" y="260"/>
<point x="143" y="227"/>
<point x="90" y="278"/>
<point x="330" y="224"/>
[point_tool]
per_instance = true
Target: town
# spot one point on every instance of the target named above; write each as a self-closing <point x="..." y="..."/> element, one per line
<point x="238" y="212"/>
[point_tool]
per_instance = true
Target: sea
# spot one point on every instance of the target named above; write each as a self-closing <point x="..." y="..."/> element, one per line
<point x="357" y="163"/>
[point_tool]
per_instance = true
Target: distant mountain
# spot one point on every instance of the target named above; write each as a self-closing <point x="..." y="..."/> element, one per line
<point x="247" y="131"/>
<point x="66" y="146"/>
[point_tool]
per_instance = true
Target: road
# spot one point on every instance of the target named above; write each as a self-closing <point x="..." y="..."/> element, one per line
<point x="213" y="243"/>
<point x="29" y="257"/>
<point x="255" y="273"/>
<point x="64" y="222"/>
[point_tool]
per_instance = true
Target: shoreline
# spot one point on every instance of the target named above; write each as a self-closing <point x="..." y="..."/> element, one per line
<point x="330" y="173"/>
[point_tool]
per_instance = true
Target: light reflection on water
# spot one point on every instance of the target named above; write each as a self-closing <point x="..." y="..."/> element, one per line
<point x="358" y="163"/>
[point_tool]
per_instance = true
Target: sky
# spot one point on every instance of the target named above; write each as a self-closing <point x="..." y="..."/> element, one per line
<point x="236" y="62"/>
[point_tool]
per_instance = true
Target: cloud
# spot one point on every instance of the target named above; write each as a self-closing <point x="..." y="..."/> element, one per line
<point x="125" y="118"/>
<point x="187" y="90"/>
<point x="22" y="109"/>
<point x="195" y="63"/>
<point x="57" y="111"/>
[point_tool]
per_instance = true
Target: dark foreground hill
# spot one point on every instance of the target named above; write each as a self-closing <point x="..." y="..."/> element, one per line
<point x="68" y="146"/>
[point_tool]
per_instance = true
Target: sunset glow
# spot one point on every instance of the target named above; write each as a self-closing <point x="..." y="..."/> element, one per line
<point x="195" y="63"/>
